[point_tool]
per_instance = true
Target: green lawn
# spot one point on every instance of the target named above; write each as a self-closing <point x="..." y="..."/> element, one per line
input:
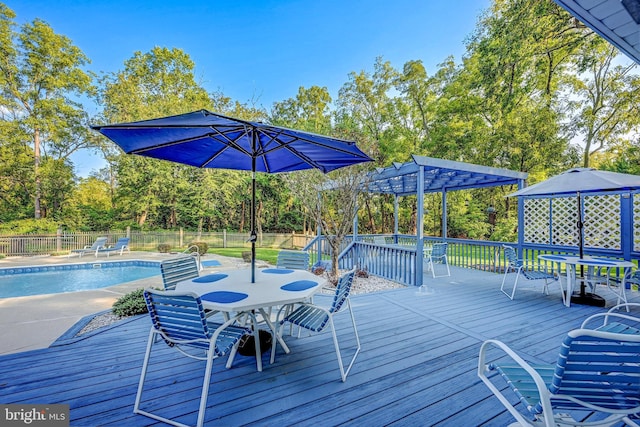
<point x="264" y="254"/>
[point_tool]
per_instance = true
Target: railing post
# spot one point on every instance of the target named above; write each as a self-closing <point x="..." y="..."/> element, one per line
<point x="181" y="237"/>
<point x="59" y="240"/>
<point x="224" y="238"/>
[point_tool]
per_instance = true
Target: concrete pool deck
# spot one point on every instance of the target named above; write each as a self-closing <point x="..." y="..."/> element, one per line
<point x="34" y="322"/>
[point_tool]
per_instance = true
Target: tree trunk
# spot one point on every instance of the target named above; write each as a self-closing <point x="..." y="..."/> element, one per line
<point x="36" y="170"/>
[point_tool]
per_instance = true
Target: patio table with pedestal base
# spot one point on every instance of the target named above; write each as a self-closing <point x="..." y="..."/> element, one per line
<point x="231" y="291"/>
<point x="592" y="263"/>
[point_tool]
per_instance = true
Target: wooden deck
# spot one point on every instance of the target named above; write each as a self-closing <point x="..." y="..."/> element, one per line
<point x="417" y="365"/>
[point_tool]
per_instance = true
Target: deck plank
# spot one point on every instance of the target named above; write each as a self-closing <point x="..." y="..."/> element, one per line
<point x="417" y="365"/>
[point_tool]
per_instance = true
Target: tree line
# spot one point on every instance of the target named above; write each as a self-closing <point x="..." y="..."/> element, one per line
<point x="536" y="91"/>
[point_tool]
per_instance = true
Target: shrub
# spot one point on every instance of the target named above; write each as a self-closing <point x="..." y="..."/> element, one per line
<point x="164" y="248"/>
<point x="203" y="247"/>
<point x="130" y="304"/>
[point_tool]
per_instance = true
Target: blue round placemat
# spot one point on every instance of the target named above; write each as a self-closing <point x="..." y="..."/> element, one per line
<point x="596" y="262"/>
<point x="277" y="271"/>
<point x="223" y="296"/>
<point x="299" y="285"/>
<point x="554" y="258"/>
<point x="209" y="278"/>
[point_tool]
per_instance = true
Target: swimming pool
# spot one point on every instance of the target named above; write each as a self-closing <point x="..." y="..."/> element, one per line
<point x="54" y="279"/>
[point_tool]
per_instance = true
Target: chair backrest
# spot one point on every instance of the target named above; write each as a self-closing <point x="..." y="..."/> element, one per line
<point x="598" y="368"/>
<point x="439" y="250"/>
<point x="298" y="260"/>
<point x="179" y="316"/>
<point x="343" y="288"/>
<point x="99" y="243"/>
<point x="177" y="269"/>
<point x="122" y="242"/>
<point x="511" y="256"/>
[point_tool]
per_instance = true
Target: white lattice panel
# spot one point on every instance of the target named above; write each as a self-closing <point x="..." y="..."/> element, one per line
<point x="602" y="221"/>
<point x="564" y="220"/>
<point x="536" y="220"/>
<point x="636" y="222"/>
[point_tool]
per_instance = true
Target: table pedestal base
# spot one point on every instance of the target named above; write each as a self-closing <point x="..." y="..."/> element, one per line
<point x="588" y="299"/>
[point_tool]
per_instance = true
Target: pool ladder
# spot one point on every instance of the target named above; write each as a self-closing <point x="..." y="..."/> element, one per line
<point x="195" y="253"/>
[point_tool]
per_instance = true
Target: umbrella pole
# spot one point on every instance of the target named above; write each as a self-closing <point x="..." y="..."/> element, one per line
<point x="253" y="222"/>
<point x="584" y="297"/>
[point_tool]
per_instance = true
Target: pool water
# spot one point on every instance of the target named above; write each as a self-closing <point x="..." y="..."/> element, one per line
<point x="56" y="281"/>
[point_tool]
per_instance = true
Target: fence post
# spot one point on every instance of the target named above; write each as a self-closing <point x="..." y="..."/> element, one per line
<point x="128" y="231"/>
<point x="224" y="238"/>
<point x="181" y="237"/>
<point x="59" y="240"/>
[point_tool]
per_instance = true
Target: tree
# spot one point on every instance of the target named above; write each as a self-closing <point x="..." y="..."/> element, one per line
<point x="605" y="98"/>
<point x="41" y="80"/>
<point x="332" y="201"/>
<point x="153" y="84"/>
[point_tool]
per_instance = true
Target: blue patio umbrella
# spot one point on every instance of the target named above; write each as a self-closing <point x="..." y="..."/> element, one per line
<point x="576" y="182"/>
<point x="209" y="140"/>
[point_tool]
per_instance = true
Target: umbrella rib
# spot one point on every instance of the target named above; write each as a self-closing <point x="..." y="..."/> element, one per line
<point x="285" y="145"/>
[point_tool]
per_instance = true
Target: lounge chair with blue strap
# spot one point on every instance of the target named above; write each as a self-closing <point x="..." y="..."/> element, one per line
<point x="316" y="319"/>
<point x="100" y="243"/>
<point x="179" y="320"/>
<point x="121" y="245"/>
<point x="596" y="378"/>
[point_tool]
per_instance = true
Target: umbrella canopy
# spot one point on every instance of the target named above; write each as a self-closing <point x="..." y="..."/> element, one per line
<point x="208" y="140"/>
<point x="581" y="180"/>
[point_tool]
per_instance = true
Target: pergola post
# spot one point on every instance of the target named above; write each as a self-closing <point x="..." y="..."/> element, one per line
<point x="420" y="227"/>
<point x="395" y="218"/>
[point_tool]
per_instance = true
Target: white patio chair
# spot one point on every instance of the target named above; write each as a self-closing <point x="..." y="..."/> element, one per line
<point x="437" y="253"/>
<point x="516" y="264"/>
<point x="316" y="319"/>
<point x="179" y="319"/>
<point x="297" y="260"/>
<point x="595" y="371"/>
<point x="615" y="321"/>
<point x="177" y="269"/>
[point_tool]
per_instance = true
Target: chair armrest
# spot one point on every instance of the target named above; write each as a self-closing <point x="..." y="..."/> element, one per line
<point x="484" y="367"/>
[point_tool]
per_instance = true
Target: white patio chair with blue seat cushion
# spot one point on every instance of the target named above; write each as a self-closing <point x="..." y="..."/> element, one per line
<point x="177" y="269"/>
<point x="437" y="253"/>
<point x="100" y="243"/>
<point x="595" y="371"/>
<point x="179" y="320"/>
<point x="616" y="321"/>
<point x="316" y="319"/>
<point x="516" y="264"/>
<point x="121" y="245"/>
<point x="297" y="260"/>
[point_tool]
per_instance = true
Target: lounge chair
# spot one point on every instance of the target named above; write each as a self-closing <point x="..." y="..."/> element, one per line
<point x="121" y="245"/>
<point x="595" y="371"/>
<point x="100" y="243"/>
<point x="180" y="321"/>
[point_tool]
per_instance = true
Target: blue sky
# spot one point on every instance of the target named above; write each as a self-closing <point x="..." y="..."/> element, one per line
<point x="262" y="50"/>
